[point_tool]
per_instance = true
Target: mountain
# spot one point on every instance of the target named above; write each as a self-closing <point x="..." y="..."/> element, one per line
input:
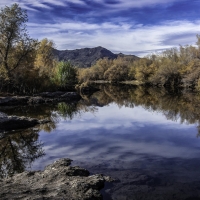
<point x="87" y="57"/>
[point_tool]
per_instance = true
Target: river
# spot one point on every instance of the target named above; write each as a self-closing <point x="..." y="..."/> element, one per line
<point x="145" y="138"/>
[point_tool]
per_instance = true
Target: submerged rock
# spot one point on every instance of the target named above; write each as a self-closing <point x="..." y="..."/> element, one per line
<point x="58" y="181"/>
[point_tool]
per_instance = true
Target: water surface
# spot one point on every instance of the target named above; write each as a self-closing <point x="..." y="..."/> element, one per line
<point x="146" y="138"/>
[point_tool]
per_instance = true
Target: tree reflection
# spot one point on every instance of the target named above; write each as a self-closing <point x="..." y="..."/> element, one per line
<point x="67" y="110"/>
<point x="174" y="105"/>
<point x="18" y="151"/>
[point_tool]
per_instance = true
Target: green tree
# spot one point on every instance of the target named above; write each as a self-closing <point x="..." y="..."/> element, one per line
<point x="64" y="74"/>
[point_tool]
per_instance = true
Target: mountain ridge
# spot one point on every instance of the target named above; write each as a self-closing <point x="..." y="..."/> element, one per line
<point x="86" y="57"/>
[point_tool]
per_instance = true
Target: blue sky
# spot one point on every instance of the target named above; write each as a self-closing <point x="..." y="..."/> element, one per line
<point x="137" y="27"/>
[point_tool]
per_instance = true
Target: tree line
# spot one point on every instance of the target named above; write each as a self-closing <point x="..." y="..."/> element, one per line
<point x="174" y="105"/>
<point x="175" y="67"/>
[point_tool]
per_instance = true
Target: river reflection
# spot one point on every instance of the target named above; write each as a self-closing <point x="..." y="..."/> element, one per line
<point x="123" y="132"/>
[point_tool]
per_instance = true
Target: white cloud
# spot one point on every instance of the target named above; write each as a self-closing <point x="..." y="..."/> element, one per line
<point x="123" y="38"/>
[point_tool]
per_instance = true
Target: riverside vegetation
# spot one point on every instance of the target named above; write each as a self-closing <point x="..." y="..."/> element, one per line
<point x="176" y="67"/>
<point x="28" y="65"/>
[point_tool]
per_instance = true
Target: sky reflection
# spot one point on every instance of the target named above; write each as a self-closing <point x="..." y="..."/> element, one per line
<point x="119" y="135"/>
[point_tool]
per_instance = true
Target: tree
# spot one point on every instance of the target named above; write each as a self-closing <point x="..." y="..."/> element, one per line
<point x="64" y="74"/>
<point x="143" y="69"/>
<point x="118" y="71"/>
<point x="100" y="67"/>
<point x="16" y="46"/>
<point x="45" y="60"/>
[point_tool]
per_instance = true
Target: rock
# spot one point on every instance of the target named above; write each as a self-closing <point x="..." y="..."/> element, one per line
<point x="36" y="100"/>
<point x="51" y="94"/>
<point x="8" y="123"/>
<point x="58" y="181"/>
<point x="45" y="97"/>
<point x="59" y="94"/>
<point x="15" y="100"/>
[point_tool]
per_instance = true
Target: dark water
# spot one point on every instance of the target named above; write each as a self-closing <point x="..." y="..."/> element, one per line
<point x="146" y="138"/>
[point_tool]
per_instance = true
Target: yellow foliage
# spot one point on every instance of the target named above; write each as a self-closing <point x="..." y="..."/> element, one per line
<point x="45" y="61"/>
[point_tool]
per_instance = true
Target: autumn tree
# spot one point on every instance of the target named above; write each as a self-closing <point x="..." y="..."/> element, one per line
<point x="118" y="71"/>
<point x="16" y="46"/>
<point x="84" y="74"/>
<point x="100" y="67"/>
<point x="45" y="60"/>
<point x="141" y="69"/>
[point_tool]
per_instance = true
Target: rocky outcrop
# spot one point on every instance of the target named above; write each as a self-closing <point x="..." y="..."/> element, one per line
<point x="58" y="181"/>
<point x="45" y="97"/>
<point x="8" y="123"/>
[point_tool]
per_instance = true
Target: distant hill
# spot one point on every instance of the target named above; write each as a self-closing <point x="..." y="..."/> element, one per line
<point x="87" y="57"/>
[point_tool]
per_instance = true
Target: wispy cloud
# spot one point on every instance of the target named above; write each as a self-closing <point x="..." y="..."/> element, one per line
<point x="124" y="4"/>
<point x="47" y="4"/>
<point x="118" y="4"/>
<point x="135" y="27"/>
<point x="119" y="38"/>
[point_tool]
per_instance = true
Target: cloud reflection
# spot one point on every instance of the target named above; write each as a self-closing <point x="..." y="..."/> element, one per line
<point x="124" y="135"/>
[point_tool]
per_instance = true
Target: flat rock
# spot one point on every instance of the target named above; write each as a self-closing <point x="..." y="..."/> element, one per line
<point x="45" y="97"/>
<point x="14" y="100"/>
<point x="8" y="123"/>
<point x="58" y="181"/>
